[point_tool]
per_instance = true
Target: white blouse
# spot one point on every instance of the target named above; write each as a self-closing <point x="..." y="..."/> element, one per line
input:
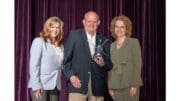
<point x="60" y="54"/>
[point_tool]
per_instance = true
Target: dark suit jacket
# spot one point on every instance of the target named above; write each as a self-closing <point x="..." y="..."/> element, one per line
<point x="78" y="61"/>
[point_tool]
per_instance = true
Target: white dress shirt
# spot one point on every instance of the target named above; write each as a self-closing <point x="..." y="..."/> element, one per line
<point x="92" y="43"/>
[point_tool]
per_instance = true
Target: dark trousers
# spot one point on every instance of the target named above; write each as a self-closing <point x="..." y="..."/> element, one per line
<point x="47" y="95"/>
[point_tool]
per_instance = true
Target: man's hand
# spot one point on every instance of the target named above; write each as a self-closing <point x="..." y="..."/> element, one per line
<point x="99" y="61"/>
<point x="75" y="81"/>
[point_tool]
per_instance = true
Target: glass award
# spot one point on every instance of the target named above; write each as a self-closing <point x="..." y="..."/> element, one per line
<point x="99" y="49"/>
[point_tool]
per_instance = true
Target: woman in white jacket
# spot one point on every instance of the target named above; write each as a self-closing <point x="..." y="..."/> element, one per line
<point x="46" y="57"/>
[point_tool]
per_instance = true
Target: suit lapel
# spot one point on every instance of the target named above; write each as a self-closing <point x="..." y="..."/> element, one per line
<point x="97" y="39"/>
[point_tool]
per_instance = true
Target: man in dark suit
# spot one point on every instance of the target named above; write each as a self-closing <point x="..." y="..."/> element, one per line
<point x="86" y="74"/>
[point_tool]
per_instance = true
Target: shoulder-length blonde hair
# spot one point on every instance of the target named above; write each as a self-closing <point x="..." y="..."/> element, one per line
<point x="127" y="23"/>
<point x="45" y="33"/>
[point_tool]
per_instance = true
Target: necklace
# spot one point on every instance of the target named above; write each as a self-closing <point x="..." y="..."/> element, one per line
<point x="120" y="43"/>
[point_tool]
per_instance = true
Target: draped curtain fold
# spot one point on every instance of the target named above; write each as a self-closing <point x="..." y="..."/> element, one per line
<point x="148" y="18"/>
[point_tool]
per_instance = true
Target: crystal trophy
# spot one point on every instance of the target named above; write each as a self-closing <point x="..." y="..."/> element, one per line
<point x="99" y="50"/>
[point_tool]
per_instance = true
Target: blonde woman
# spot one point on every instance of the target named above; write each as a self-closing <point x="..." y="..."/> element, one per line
<point x="46" y="57"/>
<point x="125" y="77"/>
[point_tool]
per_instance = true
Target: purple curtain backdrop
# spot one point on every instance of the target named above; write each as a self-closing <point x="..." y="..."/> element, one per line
<point x="148" y="17"/>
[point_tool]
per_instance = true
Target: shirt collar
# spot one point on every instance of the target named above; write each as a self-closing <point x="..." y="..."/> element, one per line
<point x="90" y="37"/>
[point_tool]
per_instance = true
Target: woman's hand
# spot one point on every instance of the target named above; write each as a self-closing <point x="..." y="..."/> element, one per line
<point x="133" y="91"/>
<point x="38" y="93"/>
<point x="111" y="93"/>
